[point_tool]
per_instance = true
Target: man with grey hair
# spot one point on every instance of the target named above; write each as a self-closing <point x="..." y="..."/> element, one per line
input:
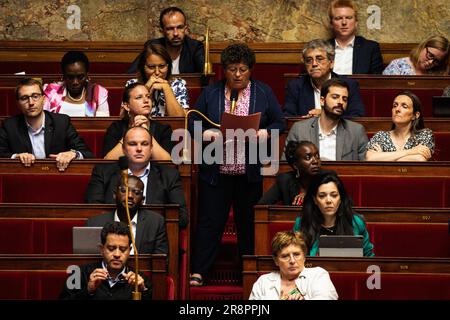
<point x="303" y="94"/>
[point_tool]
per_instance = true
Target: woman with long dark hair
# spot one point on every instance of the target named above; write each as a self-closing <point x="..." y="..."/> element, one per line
<point x="328" y="210"/>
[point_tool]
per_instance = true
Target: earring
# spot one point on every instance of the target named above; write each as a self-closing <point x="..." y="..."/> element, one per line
<point x="297" y="173"/>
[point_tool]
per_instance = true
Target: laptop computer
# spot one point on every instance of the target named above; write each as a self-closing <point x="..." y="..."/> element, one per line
<point x="441" y="106"/>
<point x="341" y="246"/>
<point x="86" y="239"/>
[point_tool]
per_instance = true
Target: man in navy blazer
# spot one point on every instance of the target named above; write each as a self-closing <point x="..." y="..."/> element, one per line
<point x="354" y="54"/>
<point x="38" y="134"/>
<point x="162" y="183"/>
<point x="188" y="55"/>
<point x="149" y="228"/>
<point x="303" y="94"/>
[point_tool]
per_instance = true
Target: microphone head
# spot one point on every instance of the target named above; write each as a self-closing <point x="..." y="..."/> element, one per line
<point x="123" y="163"/>
<point x="234" y="95"/>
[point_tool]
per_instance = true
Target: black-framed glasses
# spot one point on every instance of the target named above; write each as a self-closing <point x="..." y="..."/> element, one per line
<point x="35" y="97"/>
<point x="431" y="57"/>
<point x="137" y="192"/>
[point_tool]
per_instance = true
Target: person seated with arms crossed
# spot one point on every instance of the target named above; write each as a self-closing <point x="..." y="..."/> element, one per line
<point x="337" y="138"/>
<point x="187" y="55"/>
<point x="354" y="54"/>
<point x="162" y="183"/>
<point x="38" y="134"/>
<point x="290" y="187"/>
<point x="110" y="279"/>
<point x="149" y="228"/>
<point x="430" y="57"/>
<point x="328" y="210"/>
<point x="293" y="281"/>
<point x="303" y="94"/>
<point x="76" y="96"/>
<point x="408" y="139"/>
<point x="136" y="107"/>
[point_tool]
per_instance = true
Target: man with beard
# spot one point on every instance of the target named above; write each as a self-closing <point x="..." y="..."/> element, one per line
<point x="149" y="229"/>
<point x="303" y="94"/>
<point x="337" y="138"/>
<point x="111" y="278"/>
<point x="187" y="54"/>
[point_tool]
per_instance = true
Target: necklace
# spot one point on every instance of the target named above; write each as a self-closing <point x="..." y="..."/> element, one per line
<point x="76" y="100"/>
<point x="329" y="229"/>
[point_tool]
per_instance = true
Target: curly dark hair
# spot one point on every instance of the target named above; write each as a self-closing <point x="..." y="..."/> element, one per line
<point x="238" y="53"/>
<point x="74" y="56"/>
<point x="290" y="151"/>
<point x="119" y="228"/>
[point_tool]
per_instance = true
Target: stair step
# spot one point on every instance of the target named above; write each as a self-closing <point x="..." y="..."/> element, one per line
<point x="216" y="293"/>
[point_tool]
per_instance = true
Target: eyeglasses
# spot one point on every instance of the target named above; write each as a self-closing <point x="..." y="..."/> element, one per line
<point x="318" y="59"/>
<point x="241" y="70"/>
<point x="431" y="57"/>
<point x="153" y="67"/>
<point x="287" y="257"/>
<point x="137" y="192"/>
<point x="35" y="97"/>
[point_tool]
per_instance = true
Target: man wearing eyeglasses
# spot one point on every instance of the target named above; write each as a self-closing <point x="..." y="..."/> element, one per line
<point x="149" y="230"/>
<point x="38" y="134"/>
<point x="187" y="54"/>
<point x="162" y="184"/>
<point x="303" y="94"/>
<point x="109" y="279"/>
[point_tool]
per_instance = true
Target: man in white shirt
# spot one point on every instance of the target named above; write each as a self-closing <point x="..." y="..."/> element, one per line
<point x="336" y="138"/>
<point x="354" y="54"/>
<point x="149" y="228"/>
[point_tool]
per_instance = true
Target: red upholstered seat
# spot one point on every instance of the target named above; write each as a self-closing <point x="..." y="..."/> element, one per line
<point x="94" y="140"/>
<point x="37" y="236"/>
<point x="410" y="239"/>
<point x="40" y="188"/>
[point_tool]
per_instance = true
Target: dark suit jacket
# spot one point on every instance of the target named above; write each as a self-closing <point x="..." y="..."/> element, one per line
<point x="192" y="57"/>
<point x="285" y="189"/>
<point x="300" y="97"/>
<point x="60" y="136"/>
<point x="351" y="137"/>
<point x="163" y="187"/>
<point x="120" y="291"/>
<point x="151" y="236"/>
<point x="367" y="57"/>
<point x="161" y="132"/>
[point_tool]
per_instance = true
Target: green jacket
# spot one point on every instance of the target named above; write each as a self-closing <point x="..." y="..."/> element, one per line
<point x="359" y="229"/>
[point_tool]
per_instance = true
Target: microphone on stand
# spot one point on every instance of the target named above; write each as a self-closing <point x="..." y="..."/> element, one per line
<point x="233" y="98"/>
<point x="123" y="165"/>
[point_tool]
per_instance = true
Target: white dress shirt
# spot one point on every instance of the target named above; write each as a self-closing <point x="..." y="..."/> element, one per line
<point x="176" y="65"/>
<point x="343" y="60"/>
<point x="144" y="179"/>
<point x="313" y="284"/>
<point x="327" y="144"/>
<point x="133" y="227"/>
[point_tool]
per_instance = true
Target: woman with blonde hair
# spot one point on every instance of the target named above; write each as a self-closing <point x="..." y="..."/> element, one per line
<point x="430" y="57"/>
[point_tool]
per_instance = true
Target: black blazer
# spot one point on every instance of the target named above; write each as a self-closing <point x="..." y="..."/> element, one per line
<point x="161" y="132"/>
<point x="163" y="187"/>
<point x="367" y="57"/>
<point x="192" y="57"/>
<point x="299" y="98"/>
<point x="151" y="235"/>
<point x="120" y="291"/>
<point x="285" y="189"/>
<point x="60" y="136"/>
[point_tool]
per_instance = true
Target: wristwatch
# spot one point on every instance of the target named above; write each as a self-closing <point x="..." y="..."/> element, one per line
<point x="76" y="153"/>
